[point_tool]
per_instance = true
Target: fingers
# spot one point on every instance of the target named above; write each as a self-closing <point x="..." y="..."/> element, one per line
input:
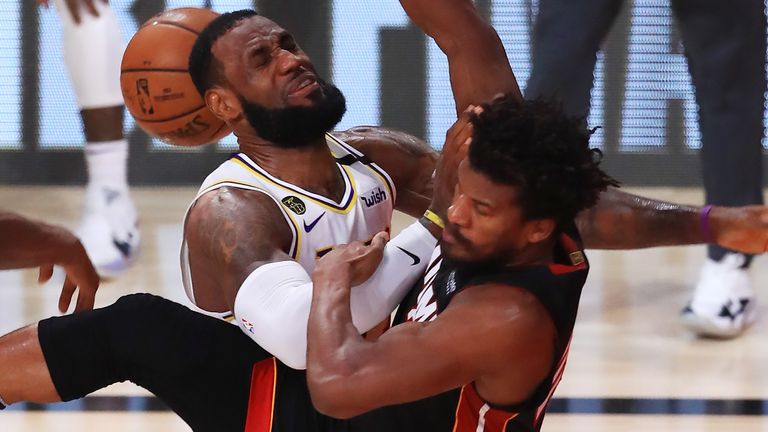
<point x="46" y="272"/>
<point x="380" y="240"/>
<point x="43" y="3"/>
<point x="67" y="291"/>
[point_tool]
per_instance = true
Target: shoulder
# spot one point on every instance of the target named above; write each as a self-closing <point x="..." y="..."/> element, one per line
<point x="504" y="307"/>
<point x="230" y="210"/>
<point x="375" y="138"/>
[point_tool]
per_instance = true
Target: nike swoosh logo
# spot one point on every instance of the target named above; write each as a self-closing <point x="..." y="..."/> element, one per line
<point x="311" y="226"/>
<point x="415" y="259"/>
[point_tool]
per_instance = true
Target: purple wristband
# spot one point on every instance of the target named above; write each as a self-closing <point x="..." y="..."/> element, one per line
<point x="706" y="231"/>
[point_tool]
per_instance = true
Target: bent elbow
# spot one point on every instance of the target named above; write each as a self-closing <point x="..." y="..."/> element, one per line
<point x="331" y="397"/>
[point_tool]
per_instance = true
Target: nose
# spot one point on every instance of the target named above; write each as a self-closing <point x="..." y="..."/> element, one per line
<point x="288" y="62"/>
<point x="458" y="213"/>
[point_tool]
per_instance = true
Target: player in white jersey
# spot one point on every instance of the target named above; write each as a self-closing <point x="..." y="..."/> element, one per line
<point x="92" y="50"/>
<point x="240" y="242"/>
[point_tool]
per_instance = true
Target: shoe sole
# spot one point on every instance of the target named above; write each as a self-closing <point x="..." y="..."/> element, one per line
<point x="706" y="328"/>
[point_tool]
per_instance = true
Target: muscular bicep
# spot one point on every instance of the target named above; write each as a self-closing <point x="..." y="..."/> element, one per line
<point x="230" y="232"/>
<point x="501" y="341"/>
<point x="408" y="160"/>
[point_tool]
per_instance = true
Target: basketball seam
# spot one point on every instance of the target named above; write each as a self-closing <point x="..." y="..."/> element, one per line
<point x="171" y="118"/>
<point x="173" y="24"/>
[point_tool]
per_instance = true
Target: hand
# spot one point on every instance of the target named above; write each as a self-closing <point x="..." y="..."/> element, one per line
<point x="352" y="264"/>
<point x="457" y="141"/>
<point x="74" y="9"/>
<point x="743" y="229"/>
<point x="69" y="253"/>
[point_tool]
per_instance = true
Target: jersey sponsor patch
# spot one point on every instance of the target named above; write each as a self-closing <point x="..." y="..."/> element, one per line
<point x="295" y="204"/>
<point x="374" y="198"/>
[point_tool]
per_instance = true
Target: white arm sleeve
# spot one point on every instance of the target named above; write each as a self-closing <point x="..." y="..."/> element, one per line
<point x="272" y="305"/>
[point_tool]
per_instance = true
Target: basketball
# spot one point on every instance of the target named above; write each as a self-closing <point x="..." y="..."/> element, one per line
<point x="155" y="81"/>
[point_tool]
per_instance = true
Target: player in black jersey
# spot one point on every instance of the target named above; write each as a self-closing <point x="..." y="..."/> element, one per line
<point x="217" y="379"/>
<point x="481" y="344"/>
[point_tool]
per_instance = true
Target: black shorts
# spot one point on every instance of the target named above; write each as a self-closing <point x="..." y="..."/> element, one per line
<point x="200" y="366"/>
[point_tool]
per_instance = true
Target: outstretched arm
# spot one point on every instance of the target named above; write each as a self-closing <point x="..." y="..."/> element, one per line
<point x="478" y="65"/>
<point x="25" y="243"/>
<point x="624" y="221"/>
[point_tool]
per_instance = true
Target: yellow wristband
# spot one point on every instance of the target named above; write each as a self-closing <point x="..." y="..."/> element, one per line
<point x="434" y="218"/>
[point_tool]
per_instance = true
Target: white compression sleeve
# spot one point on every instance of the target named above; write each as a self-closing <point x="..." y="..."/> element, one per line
<point x="272" y="305"/>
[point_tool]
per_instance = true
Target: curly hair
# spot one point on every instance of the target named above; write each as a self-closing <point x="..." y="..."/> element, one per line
<point x="203" y="67"/>
<point x="534" y="146"/>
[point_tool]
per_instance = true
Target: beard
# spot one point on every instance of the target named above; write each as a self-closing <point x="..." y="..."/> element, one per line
<point x="296" y="127"/>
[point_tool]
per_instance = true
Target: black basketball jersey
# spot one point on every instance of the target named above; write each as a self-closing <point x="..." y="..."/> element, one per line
<point x="280" y="401"/>
<point x="557" y="286"/>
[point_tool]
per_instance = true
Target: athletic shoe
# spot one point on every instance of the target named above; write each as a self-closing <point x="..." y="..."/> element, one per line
<point x="109" y="229"/>
<point x="723" y="304"/>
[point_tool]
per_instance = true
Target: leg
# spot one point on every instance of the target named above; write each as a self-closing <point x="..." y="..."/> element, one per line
<point x="725" y="43"/>
<point x="566" y="38"/>
<point x="30" y="380"/>
<point x="198" y="365"/>
<point x="92" y="53"/>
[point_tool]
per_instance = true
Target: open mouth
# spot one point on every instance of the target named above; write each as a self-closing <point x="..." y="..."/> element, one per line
<point x="303" y="85"/>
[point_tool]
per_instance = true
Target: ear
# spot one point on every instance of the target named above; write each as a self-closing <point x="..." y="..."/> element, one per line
<point x="223" y="103"/>
<point x="539" y="230"/>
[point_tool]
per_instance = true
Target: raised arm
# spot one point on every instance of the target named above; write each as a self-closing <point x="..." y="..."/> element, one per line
<point x="25" y="243"/>
<point x="478" y="65"/>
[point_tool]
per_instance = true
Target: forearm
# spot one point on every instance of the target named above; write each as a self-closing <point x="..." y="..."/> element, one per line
<point x="625" y="221"/>
<point x="478" y="64"/>
<point x="273" y="303"/>
<point x="332" y="343"/>
<point x="25" y="243"/>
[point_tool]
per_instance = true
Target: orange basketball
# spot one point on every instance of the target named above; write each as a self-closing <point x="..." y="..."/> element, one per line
<point x="155" y="81"/>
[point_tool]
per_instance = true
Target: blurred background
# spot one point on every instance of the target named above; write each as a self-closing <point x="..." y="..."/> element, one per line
<point x="630" y="354"/>
<point x="642" y="98"/>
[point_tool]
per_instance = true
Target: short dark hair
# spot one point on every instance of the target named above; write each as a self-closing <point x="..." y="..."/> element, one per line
<point x="534" y="146"/>
<point x="204" y="69"/>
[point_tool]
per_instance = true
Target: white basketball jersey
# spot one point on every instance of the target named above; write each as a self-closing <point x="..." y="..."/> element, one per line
<point x="317" y="222"/>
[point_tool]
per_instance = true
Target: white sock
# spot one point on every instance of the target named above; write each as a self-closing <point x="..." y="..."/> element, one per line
<point x="107" y="163"/>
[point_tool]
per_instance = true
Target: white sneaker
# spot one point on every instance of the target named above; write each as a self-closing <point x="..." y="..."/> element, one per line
<point x="723" y="303"/>
<point x="109" y="229"/>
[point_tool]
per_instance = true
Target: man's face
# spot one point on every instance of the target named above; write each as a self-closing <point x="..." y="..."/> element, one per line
<point x="280" y="94"/>
<point x="484" y="222"/>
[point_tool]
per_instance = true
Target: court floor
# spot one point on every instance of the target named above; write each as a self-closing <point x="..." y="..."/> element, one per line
<point x="632" y="366"/>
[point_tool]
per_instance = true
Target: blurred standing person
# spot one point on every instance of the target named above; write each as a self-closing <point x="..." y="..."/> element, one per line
<point x="725" y="45"/>
<point x="93" y="48"/>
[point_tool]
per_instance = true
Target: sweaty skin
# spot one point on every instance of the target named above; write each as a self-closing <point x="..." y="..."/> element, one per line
<point x="348" y="376"/>
<point x="269" y="67"/>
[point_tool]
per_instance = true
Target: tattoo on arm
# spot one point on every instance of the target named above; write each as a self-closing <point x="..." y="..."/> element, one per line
<point x="230" y="232"/>
<point x="624" y="221"/>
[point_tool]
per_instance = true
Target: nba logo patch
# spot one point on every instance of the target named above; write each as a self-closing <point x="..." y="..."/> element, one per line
<point x="247" y="325"/>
